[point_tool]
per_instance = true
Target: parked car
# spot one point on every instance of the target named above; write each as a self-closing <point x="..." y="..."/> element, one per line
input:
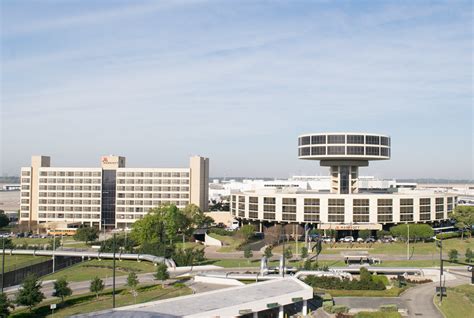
<point x="370" y="239"/>
<point x="387" y="239"/>
<point x="347" y="239"/>
<point x="327" y="239"/>
<point x="360" y="240"/>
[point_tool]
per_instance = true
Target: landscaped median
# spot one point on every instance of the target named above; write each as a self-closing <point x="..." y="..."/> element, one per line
<point x="459" y="302"/>
<point x="86" y="303"/>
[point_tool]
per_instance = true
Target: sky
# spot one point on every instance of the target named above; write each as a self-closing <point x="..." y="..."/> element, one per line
<point x="236" y="81"/>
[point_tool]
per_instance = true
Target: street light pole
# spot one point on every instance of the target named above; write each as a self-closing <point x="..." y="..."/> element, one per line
<point x="3" y="262"/>
<point x="408" y="241"/>
<point x="54" y="249"/>
<point x="113" y="279"/>
<point x="440" y="270"/>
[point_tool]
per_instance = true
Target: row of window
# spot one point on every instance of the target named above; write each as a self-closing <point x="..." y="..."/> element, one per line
<point x="341" y="139"/>
<point x="70" y="173"/>
<point x="69" y="194"/>
<point x="130" y="174"/>
<point x="76" y="202"/>
<point x="153" y="202"/>
<point x="344" y="150"/>
<point x="69" y="208"/>
<point x="69" y="188"/>
<point x="152" y="181"/>
<point x="72" y="180"/>
<point x="151" y="189"/>
<point x="67" y="216"/>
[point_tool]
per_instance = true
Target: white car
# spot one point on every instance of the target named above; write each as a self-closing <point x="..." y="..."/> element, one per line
<point x="347" y="239"/>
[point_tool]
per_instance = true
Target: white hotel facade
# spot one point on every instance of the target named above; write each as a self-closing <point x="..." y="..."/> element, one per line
<point x="110" y="196"/>
<point x="346" y="206"/>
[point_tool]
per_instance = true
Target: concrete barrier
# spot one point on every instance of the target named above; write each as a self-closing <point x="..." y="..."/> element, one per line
<point x="217" y="280"/>
<point x="210" y="241"/>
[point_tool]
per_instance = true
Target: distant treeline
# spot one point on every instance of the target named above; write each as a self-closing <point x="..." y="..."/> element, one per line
<point x="11" y="179"/>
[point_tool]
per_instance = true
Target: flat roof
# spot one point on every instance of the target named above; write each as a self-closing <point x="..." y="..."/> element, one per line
<point x="224" y="302"/>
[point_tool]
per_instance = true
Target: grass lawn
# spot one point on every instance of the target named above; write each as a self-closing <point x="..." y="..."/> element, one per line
<point x="458" y="303"/>
<point x="190" y="245"/>
<point x="392" y="292"/>
<point x="377" y="314"/>
<point x="88" y="303"/>
<point x="32" y="241"/>
<point x="231" y="243"/>
<point x="396" y="248"/>
<point x="89" y="269"/>
<point x="18" y="261"/>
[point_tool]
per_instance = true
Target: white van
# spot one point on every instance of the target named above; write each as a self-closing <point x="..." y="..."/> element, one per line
<point x="234" y="225"/>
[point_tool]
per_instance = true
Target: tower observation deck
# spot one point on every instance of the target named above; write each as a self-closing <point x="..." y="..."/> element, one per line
<point x="344" y="153"/>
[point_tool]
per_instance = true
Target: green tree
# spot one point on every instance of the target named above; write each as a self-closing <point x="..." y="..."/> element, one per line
<point x="469" y="255"/>
<point x="4" y="220"/>
<point x="29" y="293"/>
<point x="86" y="234"/>
<point x="97" y="285"/>
<point x="196" y="216"/>
<point x="5" y="305"/>
<point x="464" y="216"/>
<point x="61" y="289"/>
<point x="288" y="253"/>
<point x="417" y="231"/>
<point x="132" y="282"/>
<point x="364" y="234"/>
<point x="453" y="255"/>
<point x="304" y="252"/>
<point x="246" y="232"/>
<point x="248" y="253"/>
<point x="268" y="252"/>
<point x="162" y="274"/>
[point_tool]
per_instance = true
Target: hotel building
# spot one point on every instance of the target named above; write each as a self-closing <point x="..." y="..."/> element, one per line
<point x="346" y="205"/>
<point x="111" y="196"/>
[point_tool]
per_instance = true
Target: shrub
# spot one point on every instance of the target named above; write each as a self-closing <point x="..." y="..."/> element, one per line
<point x="339" y="309"/>
<point x="381" y="278"/>
<point x="388" y="308"/>
<point x="327" y="306"/>
<point x="220" y="231"/>
<point x="444" y="236"/>
<point x="453" y="255"/>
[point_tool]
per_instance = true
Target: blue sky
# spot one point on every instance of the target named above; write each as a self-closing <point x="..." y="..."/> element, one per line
<point x="237" y="81"/>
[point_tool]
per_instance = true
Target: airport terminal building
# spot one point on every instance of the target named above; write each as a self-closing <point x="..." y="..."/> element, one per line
<point x="345" y="206"/>
<point x="109" y="196"/>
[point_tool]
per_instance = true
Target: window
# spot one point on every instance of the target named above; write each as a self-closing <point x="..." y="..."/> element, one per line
<point x="439" y="208"/>
<point x="361" y="210"/>
<point x="372" y="151"/>
<point x="384" y="152"/>
<point x="384" y="210"/>
<point x="336" y="150"/>
<point x="311" y="210"/>
<point x="306" y="151"/>
<point x="336" y="139"/>
<point x="355" y="150"/>
<point x="269" y="208"/>
<point x="372" y="140"/>
<point x="305" y="140"/>
<point x="289" y="209"/>
<point x="425" y="209"/>
<point x="355" y="139"/>
<point x="318" y="151"/>
<point x="318" y="140"/>
<point x="253" y="207"/>
<point x="406" y="210"/>
<point x="385" y="141"/>
<point x="336" y="210"/>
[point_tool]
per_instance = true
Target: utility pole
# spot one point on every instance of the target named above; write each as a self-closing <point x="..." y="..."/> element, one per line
<point x="113" y="279"/>
<point x="3" y="262"/>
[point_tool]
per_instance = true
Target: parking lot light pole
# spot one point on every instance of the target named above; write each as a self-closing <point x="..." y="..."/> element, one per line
<point x="113" y="279"/>
<point x="3" y="262"/>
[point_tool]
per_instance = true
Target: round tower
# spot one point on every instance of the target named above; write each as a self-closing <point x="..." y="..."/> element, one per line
<point x="344" y="153"/>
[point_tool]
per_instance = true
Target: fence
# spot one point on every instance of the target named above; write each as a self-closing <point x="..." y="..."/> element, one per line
<point x="16" y="276"/>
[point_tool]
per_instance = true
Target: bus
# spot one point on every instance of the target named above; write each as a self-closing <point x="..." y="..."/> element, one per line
<point x="63" y="232"/>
